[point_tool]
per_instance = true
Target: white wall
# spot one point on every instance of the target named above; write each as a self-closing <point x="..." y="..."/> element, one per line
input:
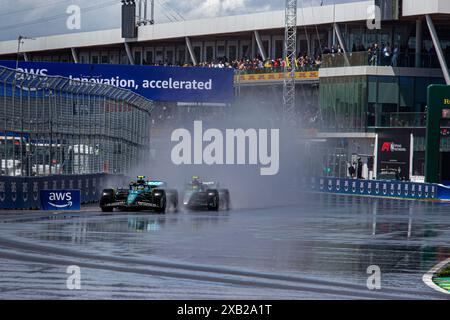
<point x="421" y="7"/>
<point x="201" y="27"/>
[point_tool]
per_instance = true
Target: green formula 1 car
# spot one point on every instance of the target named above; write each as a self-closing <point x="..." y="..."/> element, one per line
<point x="140" y="195"/>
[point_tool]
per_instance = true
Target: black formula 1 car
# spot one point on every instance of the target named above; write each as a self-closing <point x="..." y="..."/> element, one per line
<point x="140" y="195"/>
<point x="200" y="195"/>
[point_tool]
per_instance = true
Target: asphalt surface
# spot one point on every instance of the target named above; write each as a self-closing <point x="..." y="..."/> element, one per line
<point x="318" y="249"/>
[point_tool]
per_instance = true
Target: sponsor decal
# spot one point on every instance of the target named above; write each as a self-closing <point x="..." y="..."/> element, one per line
<point x="146" y="204"/>
<point x="60" y="199"/>
<point x="35" y="191"/>
<point x="2" y="191"/>
<point x="25" y="191"/>
<point x="14" y="191"/>
<point x="115" y="204"/>
<point x="392" y="147"/>
<point x="157" y="83"/>
<point x="394" y="154"/>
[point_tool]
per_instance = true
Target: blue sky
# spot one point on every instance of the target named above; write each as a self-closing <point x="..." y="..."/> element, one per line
<point x="35" y="18"/>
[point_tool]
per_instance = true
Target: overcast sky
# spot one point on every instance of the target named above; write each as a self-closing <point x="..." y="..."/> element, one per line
<point x="35" y="18"/>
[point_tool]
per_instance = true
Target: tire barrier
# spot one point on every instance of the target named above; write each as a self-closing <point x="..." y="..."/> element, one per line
<point x="24" y="192"/>
<point x="374" y="188"/>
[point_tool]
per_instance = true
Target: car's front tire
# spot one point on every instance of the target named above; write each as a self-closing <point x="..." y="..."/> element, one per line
<point x="161" y="200"/>
<point x="107" y="198"/>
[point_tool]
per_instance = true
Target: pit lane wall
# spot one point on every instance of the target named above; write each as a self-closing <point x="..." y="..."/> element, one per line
<point x="23" y="192"/>
<point x="377" y="188"/>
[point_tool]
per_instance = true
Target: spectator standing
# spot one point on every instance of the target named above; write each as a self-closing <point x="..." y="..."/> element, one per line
<point x="395" y="54"/>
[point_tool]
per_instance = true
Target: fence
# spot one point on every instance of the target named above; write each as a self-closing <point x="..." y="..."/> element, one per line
<point x="23" y="192"/>
<point x="59" y="126"/>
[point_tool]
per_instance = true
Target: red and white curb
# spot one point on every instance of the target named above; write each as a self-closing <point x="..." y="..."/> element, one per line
<point x="428" y="277"/>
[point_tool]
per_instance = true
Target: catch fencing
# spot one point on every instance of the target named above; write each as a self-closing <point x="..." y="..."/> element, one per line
<point x="55" y="126"/>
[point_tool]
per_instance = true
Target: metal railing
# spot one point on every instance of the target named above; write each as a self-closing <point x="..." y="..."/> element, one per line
<point x="54" y="125"/>
<point x="365" y="58"/>
<point x="403" y="120"/>
<point x="266" y="70"/>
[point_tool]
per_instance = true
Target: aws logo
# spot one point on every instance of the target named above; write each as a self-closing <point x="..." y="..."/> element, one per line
<point x="56" y="198"/>
<point x="60" y="199"/>
<point x="26" y="74"/>
<point x="392" y="147"/>
<point x="30" y="74"/>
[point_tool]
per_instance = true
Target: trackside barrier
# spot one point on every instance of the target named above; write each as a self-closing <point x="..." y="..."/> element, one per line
<point x="23" y="192"/>
<point x="375" y="188"/>
<point x="443" y="193"/>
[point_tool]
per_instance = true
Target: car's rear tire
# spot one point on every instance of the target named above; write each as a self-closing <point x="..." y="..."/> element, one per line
<point x="227" y="200"/>
<point x="224" y="197"/>
<point x="175" y="201"/>
<point x="213" y="200"/>
<point x="107" y="209"/>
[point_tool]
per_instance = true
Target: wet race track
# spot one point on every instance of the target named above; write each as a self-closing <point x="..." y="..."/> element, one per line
<point x="320" y="248"/>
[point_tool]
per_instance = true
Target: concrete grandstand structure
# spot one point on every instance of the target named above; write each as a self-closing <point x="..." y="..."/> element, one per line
<point x="355" y="96"/>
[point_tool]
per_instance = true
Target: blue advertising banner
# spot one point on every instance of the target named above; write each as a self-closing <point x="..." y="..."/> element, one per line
<point x="24" y="192"/>
<point x="170" y="84"/>
<point x="60" y="200"/>
<point x="376" y="188"/>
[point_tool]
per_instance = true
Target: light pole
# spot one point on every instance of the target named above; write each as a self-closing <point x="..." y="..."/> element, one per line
<point x="20" y="40"/>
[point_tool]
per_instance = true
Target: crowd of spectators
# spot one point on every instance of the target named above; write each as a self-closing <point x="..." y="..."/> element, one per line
<point x="248" y="64"/>
<point x="302" y="62"/>
<point x="374" y="54"/>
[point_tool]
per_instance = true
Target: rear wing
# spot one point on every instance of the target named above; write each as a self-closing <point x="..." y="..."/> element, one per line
<point x="156" y="184"/>
<point x="211" y="184"/>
